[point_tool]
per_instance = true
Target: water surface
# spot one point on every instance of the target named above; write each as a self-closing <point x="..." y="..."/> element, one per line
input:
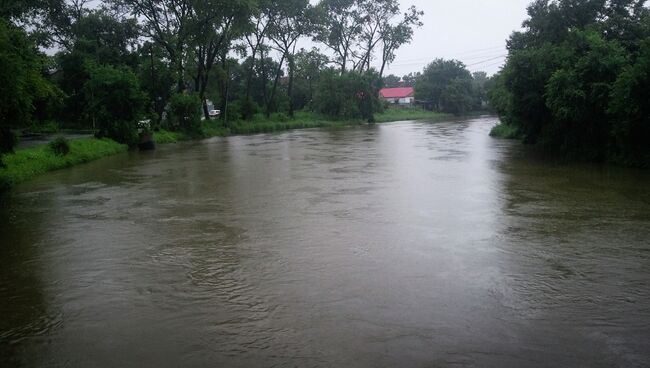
<point x="405" y="244"/>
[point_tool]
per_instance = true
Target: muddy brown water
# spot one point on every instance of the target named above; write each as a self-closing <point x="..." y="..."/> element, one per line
<point x="397" y="245"/>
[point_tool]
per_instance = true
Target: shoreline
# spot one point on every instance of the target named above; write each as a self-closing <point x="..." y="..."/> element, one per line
<point x="27" y="163"/>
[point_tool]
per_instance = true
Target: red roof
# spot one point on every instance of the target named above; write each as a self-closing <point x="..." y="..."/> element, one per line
<point x="396" y="92"/>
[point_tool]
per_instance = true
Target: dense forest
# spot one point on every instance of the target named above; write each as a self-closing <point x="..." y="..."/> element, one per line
<point x="108" y="65"/>
<point x="577" y="80"/>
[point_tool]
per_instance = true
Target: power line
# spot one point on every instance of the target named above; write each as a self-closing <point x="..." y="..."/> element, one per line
<point x="482" y="68"/>
<point x="461" y="53"/>
<point x="485" y="61"/>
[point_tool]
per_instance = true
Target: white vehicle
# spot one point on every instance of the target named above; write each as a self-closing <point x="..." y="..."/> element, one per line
<point x="214" y="113"/>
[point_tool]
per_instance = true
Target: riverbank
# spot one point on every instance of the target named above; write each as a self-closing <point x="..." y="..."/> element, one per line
<point x="27" y="163"/>
<point x="301" y="120"/>
<point x="504" y="131"/>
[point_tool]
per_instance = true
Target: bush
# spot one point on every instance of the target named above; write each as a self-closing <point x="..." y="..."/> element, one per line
<point x="503" y="130"/>
<point x="185" y="111"/>
<point x="280" y="117"/>
<point x="60" y="146"/>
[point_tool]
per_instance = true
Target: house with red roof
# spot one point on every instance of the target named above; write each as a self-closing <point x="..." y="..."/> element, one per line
<point x="402" y="96"/>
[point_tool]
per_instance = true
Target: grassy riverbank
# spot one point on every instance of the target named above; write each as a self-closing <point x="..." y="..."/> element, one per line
<point x="505" y="131"/>
<point x="27" y="163"/>
<point x="301" y="120"/>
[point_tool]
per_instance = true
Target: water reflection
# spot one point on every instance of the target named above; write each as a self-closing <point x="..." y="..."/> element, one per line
<point x="408" y="244"/>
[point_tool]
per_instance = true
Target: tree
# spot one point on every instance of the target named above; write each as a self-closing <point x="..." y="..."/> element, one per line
<point x="394" y="36"/>
<point x="309" y="66"/>
<point x="392" y="81"/>
<point x="630" y="112"/>
<point x="293" y="20"/>
<point x="445" y="85"/>
<point x="226" y="20"/>
<point x="22" y="83"/>
<point x="169" y="23"/>
<point x="349" y="95"/>
<point x="574" y="79"/>
<point x="339" y="27"/>
<point x="114" y="102"/>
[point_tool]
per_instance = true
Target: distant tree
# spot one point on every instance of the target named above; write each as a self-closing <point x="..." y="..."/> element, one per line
<point x="349" y="95"/>
<point x="392" y="81"/>
<point x="445" y="85"/>
<point x="410" y="79"/>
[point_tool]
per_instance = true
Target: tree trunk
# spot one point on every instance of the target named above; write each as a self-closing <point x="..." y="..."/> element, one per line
<point x="290" y="87"/>
<point x="275" y="86"/>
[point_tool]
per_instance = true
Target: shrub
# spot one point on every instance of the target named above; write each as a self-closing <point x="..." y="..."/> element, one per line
<point x="504" y="130"/>
<point x="60" y="146"/>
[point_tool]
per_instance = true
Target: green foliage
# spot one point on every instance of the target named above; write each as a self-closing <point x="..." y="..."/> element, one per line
<point x="27" y="163"/>
<point x="60" y="146"/>
<point x="164" y="136"/>
<point x="346" y="96"/>
<point x="504" y="130"/>
<point x="576" y="80"/>
<point x="114" y="102"/>
<point x="248" y="108"/>
<point x="447" y="86"/>
<point x="396" y="114"/>
<point x="21" y="80"/>
<point x="185" y="113"/>
<point x="630" y="111"/>
<point x="233" y="111"/>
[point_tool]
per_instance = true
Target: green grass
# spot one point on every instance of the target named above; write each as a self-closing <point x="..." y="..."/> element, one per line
<point x="28" y="163"/>
<point x="164" y="136"/>
<point x="392" y="114"/>
<point x="278" y="122"/>
<point x="505" y="131"/>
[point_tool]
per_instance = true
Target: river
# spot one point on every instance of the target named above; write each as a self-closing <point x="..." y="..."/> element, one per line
<point x="409" y="244"/>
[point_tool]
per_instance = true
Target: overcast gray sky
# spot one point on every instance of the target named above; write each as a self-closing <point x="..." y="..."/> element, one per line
<point x="473" y="31"/>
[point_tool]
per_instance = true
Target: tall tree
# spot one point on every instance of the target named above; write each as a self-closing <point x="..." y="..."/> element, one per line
<point x="169" y="23"/>
<point x="339" y="27"/>
<point x="225" y="20"/>
<point x="394" y="36"/>
<point x="293" y="21"/>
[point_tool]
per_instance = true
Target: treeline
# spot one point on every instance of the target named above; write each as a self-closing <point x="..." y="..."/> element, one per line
<point x="446" y="86"/>
<point x="114" y="63"/>
<point x="577" y="80"/>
